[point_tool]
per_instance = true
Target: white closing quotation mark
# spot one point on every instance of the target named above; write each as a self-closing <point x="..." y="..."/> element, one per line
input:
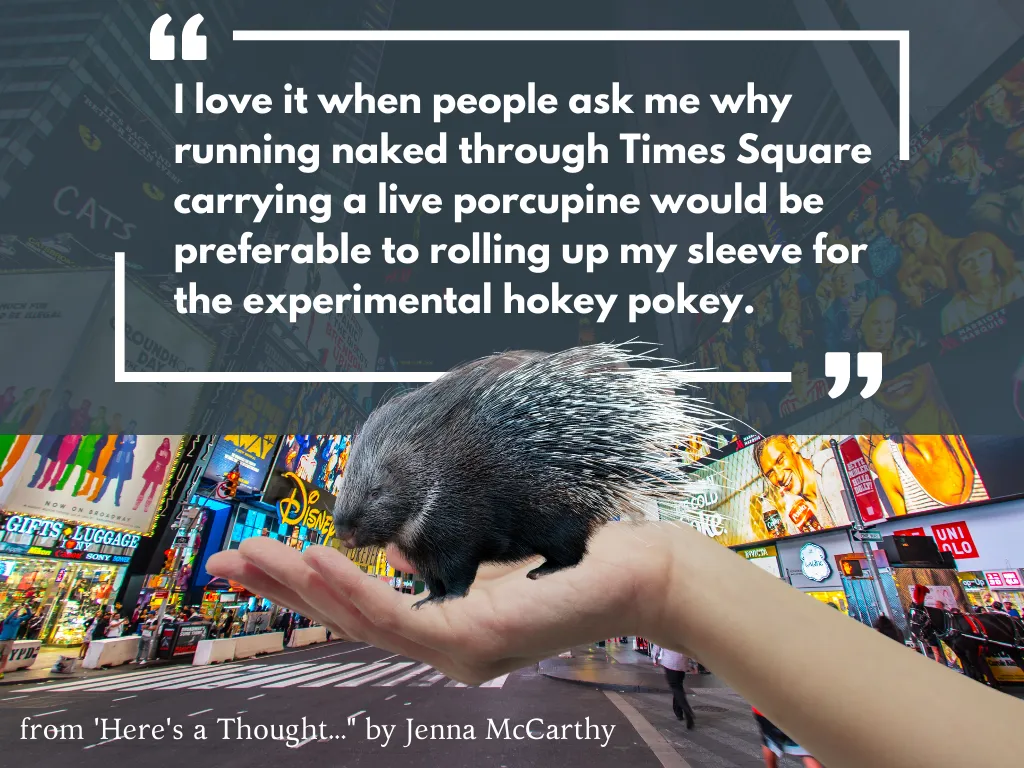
<point x="869" y="367"/>
<point x="161" y="44"/>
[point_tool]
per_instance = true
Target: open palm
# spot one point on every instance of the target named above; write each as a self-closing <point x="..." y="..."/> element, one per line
<point x="506" y="622"/>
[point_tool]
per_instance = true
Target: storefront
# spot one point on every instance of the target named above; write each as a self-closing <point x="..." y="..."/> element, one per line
<point x="64" y="571"/>
<point x="863" y="600"/>
<point x="986" y="544"/>
<point x="1005" y="587"/>
<point x="373" y="561"/>
<point x="809" y="564"/>
<point x="766" y="558"/>
<point x="183" y="540"/>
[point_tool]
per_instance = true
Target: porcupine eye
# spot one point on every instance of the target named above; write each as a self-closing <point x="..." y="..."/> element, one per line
<point x="375" y="494"/>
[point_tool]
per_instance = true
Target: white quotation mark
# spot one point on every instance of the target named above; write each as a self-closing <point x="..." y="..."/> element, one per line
<point x="838" y="367"/>
<point x="161" y="44"/>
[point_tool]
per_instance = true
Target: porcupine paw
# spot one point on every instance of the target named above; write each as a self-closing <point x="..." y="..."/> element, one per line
<point x="545" y="569"/>
<point x="432" y="599"/>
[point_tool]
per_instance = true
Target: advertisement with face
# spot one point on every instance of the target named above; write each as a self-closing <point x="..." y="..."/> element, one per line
<point x="790" y="484"/>
<point x="115" y="480"/>
<point x="944" y="262"/>
<point x="318" y="460"/>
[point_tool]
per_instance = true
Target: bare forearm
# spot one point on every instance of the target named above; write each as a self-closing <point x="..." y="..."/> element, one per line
<point x="845" y="692"/>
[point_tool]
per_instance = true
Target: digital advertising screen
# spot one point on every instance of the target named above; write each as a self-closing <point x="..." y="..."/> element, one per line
<point x="318" y="460"/>
<point x="789" y="485"/>
<point x="940" y="278"/>
<point x="252" y="455"/>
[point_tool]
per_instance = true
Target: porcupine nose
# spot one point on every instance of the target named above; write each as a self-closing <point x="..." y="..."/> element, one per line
<point x="344" y="529"/>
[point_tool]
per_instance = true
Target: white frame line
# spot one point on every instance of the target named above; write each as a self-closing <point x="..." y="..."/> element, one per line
<point x="901" y="36"/>
<point x="122" y="376"/>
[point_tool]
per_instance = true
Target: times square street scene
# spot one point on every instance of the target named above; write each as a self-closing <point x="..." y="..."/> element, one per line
<point x="902" y="512"/>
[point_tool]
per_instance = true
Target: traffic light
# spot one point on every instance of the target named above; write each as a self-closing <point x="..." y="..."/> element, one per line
<point x="852" y="569"/>
<point x="231" y="480"/>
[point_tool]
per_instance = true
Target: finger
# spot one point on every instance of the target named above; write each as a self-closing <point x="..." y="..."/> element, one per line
<point x="235" y="566"/>
<point x="397" y="560"/>
<point x="286" y="566"/>
<point x="388" y="610"/>
<point x="257" y="581"/>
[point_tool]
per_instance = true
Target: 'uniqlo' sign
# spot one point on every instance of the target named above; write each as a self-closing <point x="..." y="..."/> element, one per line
<point x="956" y="539"/>
<point x="865" y="495"/>
<point x="1003" y="579"/>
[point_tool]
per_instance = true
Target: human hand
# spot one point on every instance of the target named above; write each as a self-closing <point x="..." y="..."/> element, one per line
<point x="506" y="621"/>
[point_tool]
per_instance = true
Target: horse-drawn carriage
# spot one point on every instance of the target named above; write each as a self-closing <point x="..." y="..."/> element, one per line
<point x="973" y="637"/>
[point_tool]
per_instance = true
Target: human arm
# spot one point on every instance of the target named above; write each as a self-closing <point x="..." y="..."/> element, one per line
<point x="849" y="695"/>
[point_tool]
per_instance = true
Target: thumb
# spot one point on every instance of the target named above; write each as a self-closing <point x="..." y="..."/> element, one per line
<point x="397" y="560"/>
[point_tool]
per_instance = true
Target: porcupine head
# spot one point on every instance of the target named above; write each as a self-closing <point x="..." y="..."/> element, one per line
<point x="512" y="456"/>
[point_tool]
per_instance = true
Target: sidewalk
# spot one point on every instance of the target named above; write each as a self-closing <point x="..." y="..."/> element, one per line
<point x="48" y="655"/>
<point x="617" y="667"/>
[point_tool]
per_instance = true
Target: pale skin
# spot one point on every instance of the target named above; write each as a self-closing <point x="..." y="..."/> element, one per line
<point x="789" y="655"/>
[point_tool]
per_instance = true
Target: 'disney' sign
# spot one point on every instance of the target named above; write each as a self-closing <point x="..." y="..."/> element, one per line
<point x="300" y="503"/>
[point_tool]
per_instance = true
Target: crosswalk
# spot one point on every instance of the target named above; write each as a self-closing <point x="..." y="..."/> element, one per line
<point x="307" y="674"/>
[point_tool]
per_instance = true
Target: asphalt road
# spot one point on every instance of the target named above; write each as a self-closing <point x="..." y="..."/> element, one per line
<point x="344" y="691"/>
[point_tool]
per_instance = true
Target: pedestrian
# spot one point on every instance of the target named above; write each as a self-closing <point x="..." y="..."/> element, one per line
<point x="675" y="665"/>
<point x="115" y="626"/>
<point x="99" y="628"/>
<point x="88" y="630"/>
<point x="147" y="633"/>
<point x="35" y="626"/>
<point x="1010" y="609"/>
<point x="9" y="629"/>
<point x="997" y="607"/>
<point x="884" y="625"/>
<point x="775" y="744"/>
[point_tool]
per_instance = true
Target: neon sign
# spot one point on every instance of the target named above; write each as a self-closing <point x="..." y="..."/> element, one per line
<point x="299" y="508"/>
<point x="70" y="535"/>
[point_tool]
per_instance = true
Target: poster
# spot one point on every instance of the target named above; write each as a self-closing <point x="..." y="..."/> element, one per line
<point x="943" y="269"/>
<point x="156" y="341"/>
<point x="941" y="597"/>
<point x="790" y="485"/>
<point x="101" y="186"/>
<point x="251" y="453"/>
<point x="318" y="460"/>
<point x="112" y="480"/>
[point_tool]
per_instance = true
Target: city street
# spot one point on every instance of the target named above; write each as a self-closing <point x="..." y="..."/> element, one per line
<point x="352" y="688"/>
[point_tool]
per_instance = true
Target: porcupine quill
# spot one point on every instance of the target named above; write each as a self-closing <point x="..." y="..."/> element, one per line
<point x="516" y="455"/>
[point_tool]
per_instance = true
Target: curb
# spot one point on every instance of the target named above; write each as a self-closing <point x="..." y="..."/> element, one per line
<point x="123" y="668"/>
<point x="57" y="678"/>
<point x="620" y="688"/>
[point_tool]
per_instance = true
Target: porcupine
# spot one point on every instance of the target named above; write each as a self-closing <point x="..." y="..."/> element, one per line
<point x="516" y="455"/>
